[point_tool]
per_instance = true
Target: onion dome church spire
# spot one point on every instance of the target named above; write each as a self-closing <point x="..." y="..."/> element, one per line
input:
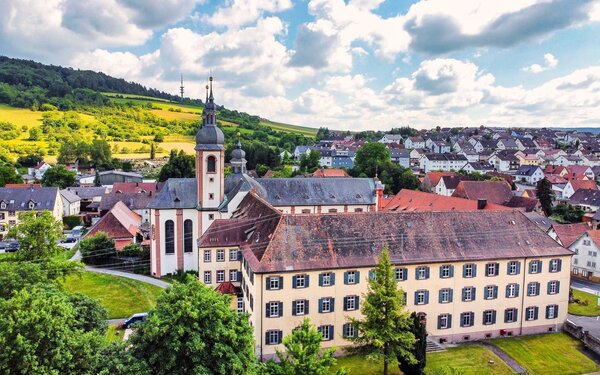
<point x="238" y="158"/>
<point x="209" y="136"/>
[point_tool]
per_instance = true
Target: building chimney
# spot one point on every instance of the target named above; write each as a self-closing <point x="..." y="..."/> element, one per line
<point x="481" y="203"/>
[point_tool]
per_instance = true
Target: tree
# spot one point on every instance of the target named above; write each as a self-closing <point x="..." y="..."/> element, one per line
<point x="194" y="330"/>
<point x="97" y="181"/>
<point x="8" y="175"/>
<point x="544" y="193"/>
<point x="15" y="276"/>
<point x="41" y="334"/>
<point x="303" y="353"/>
<point x="97" y="248"/>
<point x="58" y="176"/>
<point x="30" y="160"/>
<point x="100" y="154"/>
<point x="38" y="234"/>
<point x="89" y="314"/>
<point x="152" y="151"/>
<point x="310" y="162"/>
<point x="372" y="158"/>
<point x="35" y="134"/>
<point x="179" y="165"/>
<point x="385" y="330"/>
<point x="115" y="359"/>
<point x="419" y="349"/>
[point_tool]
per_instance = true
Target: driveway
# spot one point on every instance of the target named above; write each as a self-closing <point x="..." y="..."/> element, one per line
<point x="133" y="276"/>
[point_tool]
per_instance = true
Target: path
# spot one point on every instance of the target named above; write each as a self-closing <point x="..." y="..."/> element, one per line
<point x="585" y="286"/>
<point x="133" y="276"/>
<point x="516" y="367"/>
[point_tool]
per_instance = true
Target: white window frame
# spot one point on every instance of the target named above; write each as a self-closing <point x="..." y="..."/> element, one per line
<point x="445" y="295"/>
<point x="512" y="267"/>
<point x="326" y="276"/>
<point x="273" y="337"/>
<point x="325" y="332"/>
<point x="468" y="294"/>
<point x="399" y="274"/>
<point x="468" y="319"/>
<point x="420" y="297"/>
<point x="512" y="288"/>
<point x="421" y="273"/>
<point x="301" y="307"/>
<point x="552" y="286"/>
<point x="553" y="265"/>
<point x="529" y="314"/>
<point x="220" y="255"/>
<point x="350" y="330"/>
<point x="233" y="275"/>
<point x="444" y="318"/>
<point x="351" y="276"/>
<point x="488" y="317"/>
<point x="274" y="283"/>
<point x="512" y="313"/>
<point x="532" y="289"/>
<point x="207" y="256"/>
<point x="233" y="254"/>
<point x="489" y="291"/>
<point x="240" y="304"/>
<point x="445" y="271"/>
<point x="491" y="266"/>
<point x="274" y="310"/>
<point x="351" y="303"/>
<point x="326" y="302"/>
<point x="207" y="277"/>
<point x="535" y="266"/>
<point x="300" y="281"/>
<point x="468" y="270"/>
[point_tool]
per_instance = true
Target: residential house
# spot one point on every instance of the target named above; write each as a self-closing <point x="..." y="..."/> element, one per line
<point x="507" y="144"/>
<point x="566" y="234"/>
<point x="415" y="156"/>
<point x="135" y="195"/>
<point x="401" y="156"/>
<point x="579" y="172"/>
<point x="586" y="263"/>
<point x="109" y="178"/>
<point x="503" y="282"/>
<point x="414" y="143"/>
<point x="390" y="138"/>
<point x="498" y="192"/>
<point x="529" y="174"/>
<point x="431" y="179"/>
<point x="14" y="201"/>
<point x="301" y="150"/>
<point x="586" y="199"/>
<point x="121" y="225"/>
<point x="504" y="161"/>
<point x="440" y="147"/>
<point x="528" y="159"/>
<point x="482" y="168"/>
<point x="525" y="143"/>
<point x="568" y="160"/>
<point x="442" y="162"/>
<point x="572" y="186"/>
<point x="39" y="170"/>
<point x="71" y="203"/>
<point x="448" y="184"/>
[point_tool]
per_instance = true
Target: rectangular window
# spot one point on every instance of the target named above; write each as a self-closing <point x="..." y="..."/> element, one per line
<point x="220" y="276"/>
<point x="306" y="211"/>
<point x="466" y="319"/>
<point x="300" y="307"/>
<point x="273" y="337"/>
<point x="553" y="287"/>
<point x="326" y="279"/>
<point x="468" y="294"/>
<point x="220" y="255"/>
<point x="233" y="254"/>
<point x="491" y="269"/>
<point x="535" y="266"/>
<point x="422" y="273"/>
<point x="531" y="313"/>
<point x="513" y="267"/>
<point x="551" y="311"/>
<point x="207" y="277"/>
<point x="350" y="303"/>
<point x="240" y="304"/>
<point x="445" y="295"/>
<point x="233" y="275"/>
<point x="326" y="305"/>
<point x="206" y="256"/>
<point x="533" y="289"/>
<point x="444" y="321"/>
<point x="421" y="297"/>
<point x="273" y="283"/>
<point x="446" y="271"/>
<point x="326" y="331"/>
<point x="555" y="265"/>
<point x="273" y="310"/>
<point x="512" y="290"/>
<point x="349" y="330"/>
<point x="510" y="315"/>
<point x="469" y="270"/>
<point x="489" y="317"/>
<point x="300" y="281"/>
<point x="401" y="273"/>
<point x="351" y="277"/>
<point x="491" y="292"/>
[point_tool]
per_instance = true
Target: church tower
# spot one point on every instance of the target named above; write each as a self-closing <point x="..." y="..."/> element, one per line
<point x="210" y="157"/>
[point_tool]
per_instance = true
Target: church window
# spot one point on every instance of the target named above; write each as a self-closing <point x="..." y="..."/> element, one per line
<point x="188" y="236"/>
<point x="211" y="196"/>
<point x="211" y="166"/>
<point x="169" y="237"/>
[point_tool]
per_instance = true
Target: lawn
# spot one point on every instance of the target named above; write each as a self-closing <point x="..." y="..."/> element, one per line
<point x="122" y="297"/>
<point x="592" y="309"/>
<point x="113" y="334"/>
<point x="471" y="359"/>
<point x="554" y="353"/>
<point x="20" y="116"/>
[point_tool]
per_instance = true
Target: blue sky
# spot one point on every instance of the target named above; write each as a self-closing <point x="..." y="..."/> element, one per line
<point x="346" y="64"/>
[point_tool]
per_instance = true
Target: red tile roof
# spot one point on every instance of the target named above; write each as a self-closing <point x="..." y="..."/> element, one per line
<point x="228" y="288"/>
<point x="434" y="177"/>
<point x="555" y="179"/>
<point x="498" y="192"/>
<point x="137" y="187"/>
<point x="568" y="233"/>
<point x="330" y="173"/>
<point x="412" y="200"/>
<point x="583" y="184"/>
<point x="119" y="222"/>
<point x="576" y="172"/>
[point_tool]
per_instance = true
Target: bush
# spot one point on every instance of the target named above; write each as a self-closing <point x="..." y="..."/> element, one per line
<point x="181" y="275"/>
<point x="132" y="250"/>
<point x="70" y="222"/>
<point x="97" y="249"/>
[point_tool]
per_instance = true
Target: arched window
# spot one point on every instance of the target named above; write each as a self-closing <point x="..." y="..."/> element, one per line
<point x="188" y="236"/>
<point x="211" y="164"/>
<point x="169" y="237"/>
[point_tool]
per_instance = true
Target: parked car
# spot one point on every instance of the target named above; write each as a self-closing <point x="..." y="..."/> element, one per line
<point x="135" y="318"/>
<point x="12" y="246"/>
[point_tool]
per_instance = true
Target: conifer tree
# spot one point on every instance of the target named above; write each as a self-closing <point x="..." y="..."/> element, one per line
<point x="544" y="194"/>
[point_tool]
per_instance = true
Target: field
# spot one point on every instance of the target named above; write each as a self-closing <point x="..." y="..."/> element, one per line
<point x="549" y="354"/>
<point x="469" y="360"/>
<point x="120" y="296"/>
<point x="592" y="309"/>
<point x="129" y="130"/>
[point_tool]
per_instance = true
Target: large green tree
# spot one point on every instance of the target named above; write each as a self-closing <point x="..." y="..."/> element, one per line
<point x="40" y="333"/>
<point x="179" y="165"/>
<point x="38" y="234"/>
<point x="419" y="350"/>
<point x="303" y="354"/>
<point x="310" y="162"/>
<point x="8" y="175"/>
<point x="544" y="193"/>
<point x="194" y="330"/>
<point x="58" y="176"/>
<point x="97" y="249"/>
<point x="372" y="158"/>
<point x="384" y="332"/>
<point x="15" y="276"/>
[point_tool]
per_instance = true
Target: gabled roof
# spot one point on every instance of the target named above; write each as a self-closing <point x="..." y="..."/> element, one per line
<point x="568" y="233"/>
<point x="588" y="197"/>
<point x="19" y="199"/>
<point x="527" y="170"/>
<point x="498" y="192"/>
<point x="70" y="196"/>
<point x="583" y="184"/>
<point x="412" y="200"/>
<point x="434" y="177"/>
<point x="451" y="182"/>
<point x="540" y="220"/>
<point x="330" y="172"/>
<point x="177" y="193"/>
<point x="119" y="222"/>
<point x="89" y="192"/>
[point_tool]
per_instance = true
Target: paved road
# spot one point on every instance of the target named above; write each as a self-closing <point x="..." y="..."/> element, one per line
<point x="589" y="323"/>
<point x="133" y="276"/>
<point x="585" y="286"/>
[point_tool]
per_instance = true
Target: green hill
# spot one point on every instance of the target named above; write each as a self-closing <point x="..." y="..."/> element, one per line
<point x="42" y="106"/>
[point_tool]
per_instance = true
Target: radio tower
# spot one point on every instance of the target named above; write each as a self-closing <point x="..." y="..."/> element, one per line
<point x="181" y="88"/>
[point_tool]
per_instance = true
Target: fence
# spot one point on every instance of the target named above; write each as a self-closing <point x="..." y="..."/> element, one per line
<point x="590" y="341"/>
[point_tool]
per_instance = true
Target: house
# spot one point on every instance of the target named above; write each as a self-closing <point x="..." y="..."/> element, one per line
<point x="390" y="138"/>
<point x="346" y="161"/>
<point x="557" y="170"/>
<point x="442" y="162"/>
<point x="498" y="192"/>
<point x="135" y="195"/>
<point x="477" y="167"/>
<point x="289" y="271"/>
<point x="471" y="155"/>
<point x="39" y="170"/>
<point x="109" y="178"/>
<point x="528" y="159"/>
<point x="504" y="161"/>
<point x="579" y="172"/>
<point x="400" y="156"/>
<point x="301" y="150"/>
<point x="415" y="156"/>
<point x="566" y="234"/>
<point x="568" y="160"/>
<point x="440" y="147"/>
<point x="507" y="144"/>
<point x="447" y="185"/>
<point x="585" y="264"/>
<point x="121" y="225"/>
<point x="330" y="173"/>
<point x="14" y="201"/>
<point x="326" y="159"/>
<point x="413" y="200"/>
<point x="525" y="143"/>
<point x="90" y="196"/>
<point x="529" y="174"/>
<point x="71" y="203"/>
<point x="543" y="222"/>
<point x="414" y="143"/>
<point x="431" y="179"/>
<point x="586" y="199"/>
<point x="572" y="186"/>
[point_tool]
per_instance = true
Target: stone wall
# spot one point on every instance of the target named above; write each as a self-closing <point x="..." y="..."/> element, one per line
<point x="590" y="341"/>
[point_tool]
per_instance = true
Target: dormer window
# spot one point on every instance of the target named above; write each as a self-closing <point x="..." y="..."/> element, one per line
<point x="3" y="205"/>
<point x="31" y="205"/>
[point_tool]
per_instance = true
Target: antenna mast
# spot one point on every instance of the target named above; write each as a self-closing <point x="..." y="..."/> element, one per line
<point x="181" y="88"/>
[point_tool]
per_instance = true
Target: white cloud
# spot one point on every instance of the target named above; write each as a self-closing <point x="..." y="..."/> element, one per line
<point x="550" y="63"/>
<point x="238" y="13"/>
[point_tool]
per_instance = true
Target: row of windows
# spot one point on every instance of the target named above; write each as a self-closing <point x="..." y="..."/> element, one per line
<point x="234" y="276"/>
<point x="274" y="337"/>
<point x="188" y="236"/>
<point x="274" y="309"/>
<point x="233" y="255"/>
<point x="490" y="292"/>
<point x="422" y="273"/>
<point x="467" y="319"/>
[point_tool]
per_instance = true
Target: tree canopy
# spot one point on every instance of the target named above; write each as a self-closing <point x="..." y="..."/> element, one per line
<point x="58" y="176"/>
<point x="179" y="165"/>
<point x="545" y="195"/>
<point x="38" y="235"/>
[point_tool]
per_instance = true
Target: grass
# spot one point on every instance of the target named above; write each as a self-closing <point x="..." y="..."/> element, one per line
<point x="20" y="116"/>
<point x="555" y="353"/>
<point x="471" y="359"/>
<point x="66" y="254"/>
<point x="122" y="297"/>
<point x="113" y="334"/>
<point x="592" y="309"/>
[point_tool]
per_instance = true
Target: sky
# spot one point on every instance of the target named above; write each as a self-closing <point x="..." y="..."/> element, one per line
<point x="345" y="64"/>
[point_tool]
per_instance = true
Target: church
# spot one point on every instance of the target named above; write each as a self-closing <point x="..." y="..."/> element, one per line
<point x="186" y="207"/>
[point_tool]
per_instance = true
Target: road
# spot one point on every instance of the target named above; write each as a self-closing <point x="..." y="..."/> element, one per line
<point x="585" y="286"/>
<point x="133" y="276"/>
<point x="589" y="323"/>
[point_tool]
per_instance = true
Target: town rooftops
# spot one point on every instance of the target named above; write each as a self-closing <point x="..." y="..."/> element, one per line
<point x="446" y="157"/>
<point x="28" y="199"/>
<point x="70" y="196"/>
<point x="498" y="192"/>
<point x="587" y="197"/>
<point x="119" y="222"/>
<point x="412" y="200"/>
<point x="89" y="192"/>
<point x="568" y="233"/>
<point x="328" y="241"/>
<point x="527" y="170"/>
<point x="329" y="172"/>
